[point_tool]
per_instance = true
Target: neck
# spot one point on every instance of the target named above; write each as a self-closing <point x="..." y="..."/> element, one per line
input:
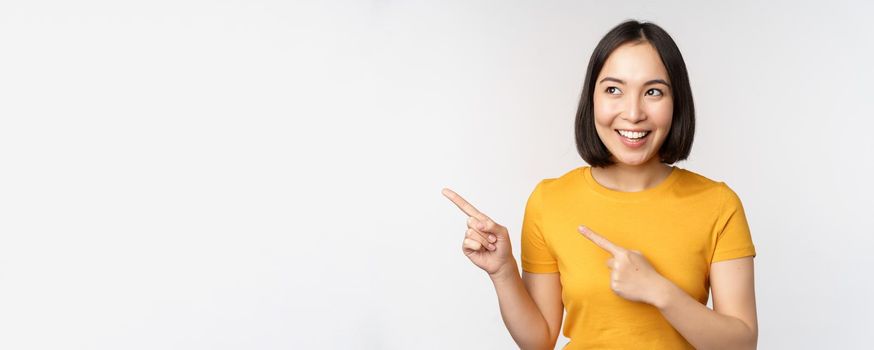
<point x="632" y="178"/>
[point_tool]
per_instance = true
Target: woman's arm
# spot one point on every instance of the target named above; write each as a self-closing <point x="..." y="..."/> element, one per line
<point x="731" y="324"/>
<point x="532" y="310"/>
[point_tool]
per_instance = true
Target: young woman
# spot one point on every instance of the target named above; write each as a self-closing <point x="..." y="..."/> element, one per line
<point x="629" y="245"/>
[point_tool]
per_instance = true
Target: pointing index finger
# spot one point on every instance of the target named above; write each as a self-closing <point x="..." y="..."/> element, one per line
<point x="462" y="204"/>
<point x="600" y="241"/>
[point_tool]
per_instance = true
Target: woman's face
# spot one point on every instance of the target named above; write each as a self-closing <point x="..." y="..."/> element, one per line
<point x="633" y="103"/>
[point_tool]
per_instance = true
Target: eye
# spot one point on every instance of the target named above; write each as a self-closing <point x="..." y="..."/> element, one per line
<point x="611" y="90"/>
<point x="654" y="90"/>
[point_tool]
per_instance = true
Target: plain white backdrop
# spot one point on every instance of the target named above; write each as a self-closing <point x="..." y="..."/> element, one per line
<point x="267" y="175"/>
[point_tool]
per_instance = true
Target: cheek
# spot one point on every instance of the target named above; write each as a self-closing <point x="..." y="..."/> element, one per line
<point x="661" y="114"/>
<point x="604" y="111"/>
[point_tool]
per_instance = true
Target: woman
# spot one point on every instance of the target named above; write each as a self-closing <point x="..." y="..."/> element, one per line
<point x="629" y="245"/>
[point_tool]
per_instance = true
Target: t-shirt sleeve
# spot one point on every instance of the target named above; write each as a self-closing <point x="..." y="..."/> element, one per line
<point x="536" y="257"/>
<point x="733" y="238"/>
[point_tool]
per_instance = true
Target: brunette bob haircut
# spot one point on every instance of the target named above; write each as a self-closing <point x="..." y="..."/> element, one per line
<point x="678" y="142"/>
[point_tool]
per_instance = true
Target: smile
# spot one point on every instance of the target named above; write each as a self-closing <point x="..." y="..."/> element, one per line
<point x="633" y="135"/>
<point x="633" y="139"/>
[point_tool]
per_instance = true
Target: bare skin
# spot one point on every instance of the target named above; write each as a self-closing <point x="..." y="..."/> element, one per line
<point x="632" y="93"/>
<point x="531" y="309"/>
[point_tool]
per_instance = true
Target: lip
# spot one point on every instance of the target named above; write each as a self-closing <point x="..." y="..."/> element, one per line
<point x="633" y="144"/>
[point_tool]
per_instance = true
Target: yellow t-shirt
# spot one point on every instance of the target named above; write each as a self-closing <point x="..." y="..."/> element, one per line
<point x="681" y="226"/>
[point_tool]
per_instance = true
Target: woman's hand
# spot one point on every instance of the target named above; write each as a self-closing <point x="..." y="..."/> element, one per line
<point x="486" y="243"/>
<point x="632" y="276"/>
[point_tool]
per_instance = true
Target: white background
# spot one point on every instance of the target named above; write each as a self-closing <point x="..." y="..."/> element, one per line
<point x="267" y="175"/>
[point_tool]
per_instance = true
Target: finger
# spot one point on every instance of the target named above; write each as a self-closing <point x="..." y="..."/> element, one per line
<point x="610" y="263"/>
<point x="489" y="226"/>
<point x="477" y="237"/>
<point x="600" y="241"/>
<point x="471" y="245"/>
<point x="474" y="224"/>
<point x="462" y="204"/>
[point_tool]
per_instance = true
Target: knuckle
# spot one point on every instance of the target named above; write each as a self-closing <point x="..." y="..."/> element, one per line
<point x="492" y="226"/>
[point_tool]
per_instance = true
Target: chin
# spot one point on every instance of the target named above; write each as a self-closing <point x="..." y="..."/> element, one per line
<point x="632" y="161"/>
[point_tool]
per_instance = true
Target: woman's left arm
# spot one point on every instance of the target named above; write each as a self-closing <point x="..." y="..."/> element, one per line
<point x="731" y="324"/>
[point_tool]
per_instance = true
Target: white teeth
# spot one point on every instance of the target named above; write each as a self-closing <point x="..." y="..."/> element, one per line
<point x="633" y="134"/>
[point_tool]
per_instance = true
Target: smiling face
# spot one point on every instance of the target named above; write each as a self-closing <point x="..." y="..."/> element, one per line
<point x="633" y="104"/>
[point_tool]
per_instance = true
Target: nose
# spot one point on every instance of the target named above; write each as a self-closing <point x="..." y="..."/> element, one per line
<point x="635" y="112"/>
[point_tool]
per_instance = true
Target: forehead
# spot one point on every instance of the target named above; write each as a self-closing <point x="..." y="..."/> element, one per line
<point x="635" y="63"/>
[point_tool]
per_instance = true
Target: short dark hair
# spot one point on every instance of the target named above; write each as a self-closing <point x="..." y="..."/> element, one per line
<point x="678" y="142"/>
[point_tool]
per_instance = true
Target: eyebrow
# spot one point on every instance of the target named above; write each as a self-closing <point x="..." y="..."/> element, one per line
<point x="654" y="81"/>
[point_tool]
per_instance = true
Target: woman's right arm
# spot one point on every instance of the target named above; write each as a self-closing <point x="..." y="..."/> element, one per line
<point x="531" y="308"/>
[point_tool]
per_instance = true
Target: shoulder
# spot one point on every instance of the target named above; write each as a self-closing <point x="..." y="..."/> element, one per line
<point x="690" y="179"/>
<point x="691" y="182"/>
<point x="555" y="190"/>
<point x="560" y="184"/>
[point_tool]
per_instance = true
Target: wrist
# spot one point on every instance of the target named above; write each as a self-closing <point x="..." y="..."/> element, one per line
<point x="505" y="272"/>
<point x="665" y="294"/>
